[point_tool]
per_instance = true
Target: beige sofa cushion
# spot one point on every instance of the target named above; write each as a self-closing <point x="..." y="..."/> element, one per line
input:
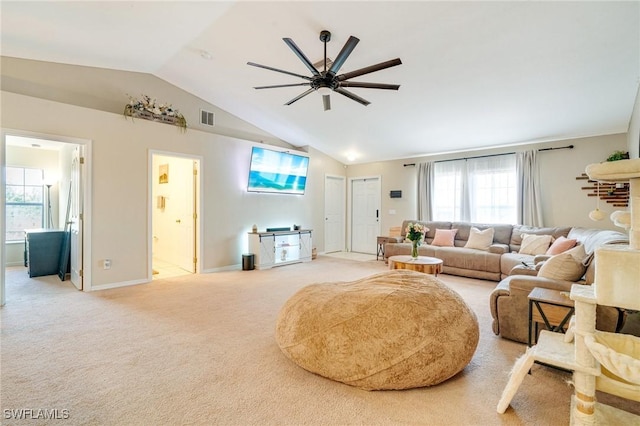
<point x="480" y="240"/>
<point x="519" y="230"/>
<point x="567" y="266"/>
<point x="534" y="244"/>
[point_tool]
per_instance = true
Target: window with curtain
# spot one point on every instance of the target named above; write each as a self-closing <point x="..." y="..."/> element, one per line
<point x="482" y="190"/>
<point x="24" y="201"/>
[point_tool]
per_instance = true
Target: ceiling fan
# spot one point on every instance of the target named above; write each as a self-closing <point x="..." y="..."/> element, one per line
<point x="328" y="80"/>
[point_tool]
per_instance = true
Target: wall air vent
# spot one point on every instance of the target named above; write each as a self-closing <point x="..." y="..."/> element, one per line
<point x="207" y="118"/>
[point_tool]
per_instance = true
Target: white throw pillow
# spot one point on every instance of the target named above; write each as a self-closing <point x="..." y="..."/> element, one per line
<point x="567" y="266"/>
<point x="480" y="240"/>
<point x="534" y="244"/>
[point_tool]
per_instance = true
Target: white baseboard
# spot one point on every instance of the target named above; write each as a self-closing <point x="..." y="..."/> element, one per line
<point x="224" y="268"/>
<point x="117" y="285"/>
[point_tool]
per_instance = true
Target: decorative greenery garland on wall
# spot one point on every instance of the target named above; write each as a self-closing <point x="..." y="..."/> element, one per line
<point x="148" y="109"/>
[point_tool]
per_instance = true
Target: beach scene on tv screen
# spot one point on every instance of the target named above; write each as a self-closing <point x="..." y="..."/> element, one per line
<point x="279" y="172"/>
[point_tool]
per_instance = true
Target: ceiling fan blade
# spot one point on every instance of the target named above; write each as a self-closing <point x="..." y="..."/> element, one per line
<point x="351" y="96"/>
<point x="300" y="96"/>
<point x="301" y="55"/>
<point x="253" y="64"/>
<point x="369" y="85"/>
<point x="370" y="69"/>
<point x="343" y="55"/>
<point x="326" y="102"/>
<point x="282" y="85"/>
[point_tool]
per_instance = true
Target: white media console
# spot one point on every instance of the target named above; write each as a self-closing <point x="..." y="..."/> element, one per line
<point x="280" y="247"/>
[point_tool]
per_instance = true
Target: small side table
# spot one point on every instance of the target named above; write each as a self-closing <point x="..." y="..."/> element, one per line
<point x="551" y="308"/>
<point x="381" y="242"/>
<point x="424" y="264"/>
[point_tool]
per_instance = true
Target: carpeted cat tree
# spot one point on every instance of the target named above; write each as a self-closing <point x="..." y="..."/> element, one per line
<point x="607" y="362"/>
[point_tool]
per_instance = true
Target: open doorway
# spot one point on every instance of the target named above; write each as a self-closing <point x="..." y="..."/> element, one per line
<point x="174" y="214"/>
<point x="62" y="165"/>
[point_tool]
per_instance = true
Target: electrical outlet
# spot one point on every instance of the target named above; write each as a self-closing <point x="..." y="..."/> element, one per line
<point x="106" y="264"/>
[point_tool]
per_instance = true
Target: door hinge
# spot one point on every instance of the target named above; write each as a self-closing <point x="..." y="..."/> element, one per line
<point x="195" y="260"/>
<point x="80" y="272"/>
<point x="81" y="216"/>
<point x="195" y="215"/>
<point x="81" y="160"/>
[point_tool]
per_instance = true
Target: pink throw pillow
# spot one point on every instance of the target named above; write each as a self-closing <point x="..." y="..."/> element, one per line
<point x="444" y="237"/>
<point x="560" y="245"/>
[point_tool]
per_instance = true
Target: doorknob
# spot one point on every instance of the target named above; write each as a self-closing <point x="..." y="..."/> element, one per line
<point x="178" y="221"/>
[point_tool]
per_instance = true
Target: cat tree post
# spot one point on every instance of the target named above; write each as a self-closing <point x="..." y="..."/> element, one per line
<point x="634" y="200"/>
<point x="617" y="283"/>
<point x="588" y="352"/>
<point x="583" y="401"/>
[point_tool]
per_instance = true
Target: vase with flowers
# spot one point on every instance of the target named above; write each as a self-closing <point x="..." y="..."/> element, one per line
<point x="415" y="233"/>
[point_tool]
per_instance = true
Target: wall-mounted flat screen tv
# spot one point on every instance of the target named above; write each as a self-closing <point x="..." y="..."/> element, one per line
<point x="277" y="172"/>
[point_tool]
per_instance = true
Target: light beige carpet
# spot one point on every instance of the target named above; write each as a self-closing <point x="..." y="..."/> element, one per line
<point x="200" y="350"/>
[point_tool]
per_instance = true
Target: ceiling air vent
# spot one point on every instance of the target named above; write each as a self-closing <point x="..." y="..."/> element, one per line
<point x="207" y="118"/>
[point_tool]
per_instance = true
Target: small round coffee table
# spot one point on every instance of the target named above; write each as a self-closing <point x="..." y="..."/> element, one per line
<point x="427" y="265"/>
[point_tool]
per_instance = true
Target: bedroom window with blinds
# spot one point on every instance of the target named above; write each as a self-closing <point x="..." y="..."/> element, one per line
<point x="481" y="190"/>
<point x="24" y="201"/>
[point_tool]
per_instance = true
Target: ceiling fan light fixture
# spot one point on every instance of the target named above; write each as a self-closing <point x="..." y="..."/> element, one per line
<point x="325" y="79"/>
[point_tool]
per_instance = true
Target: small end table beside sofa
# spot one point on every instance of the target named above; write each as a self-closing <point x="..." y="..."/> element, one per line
<point x="551" y="308"/>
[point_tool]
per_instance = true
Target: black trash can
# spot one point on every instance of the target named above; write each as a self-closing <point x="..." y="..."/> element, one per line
<point x="248" y="262"/>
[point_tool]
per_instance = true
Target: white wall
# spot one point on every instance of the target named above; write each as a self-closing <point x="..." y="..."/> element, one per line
<point x="564" y="203"/>
<point x="633" y="135"/>
<point x="120" y="178"/>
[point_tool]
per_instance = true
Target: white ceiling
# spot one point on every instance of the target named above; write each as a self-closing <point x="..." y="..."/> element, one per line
<point x="474" y="74"/>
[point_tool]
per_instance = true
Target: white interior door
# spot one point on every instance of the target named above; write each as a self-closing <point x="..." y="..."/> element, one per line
<point x="180" y="212"/>
<point x="365" y="214"/>
<point x="76" y="217"/>
<point x="334" y="213"/>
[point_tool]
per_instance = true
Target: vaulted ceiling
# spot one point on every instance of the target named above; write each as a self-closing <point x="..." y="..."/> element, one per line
<point x="474" y="74"/>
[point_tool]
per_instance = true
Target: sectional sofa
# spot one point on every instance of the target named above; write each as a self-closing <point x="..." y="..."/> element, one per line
<point x="503" y="254"/>
<point x="503" y="261"/>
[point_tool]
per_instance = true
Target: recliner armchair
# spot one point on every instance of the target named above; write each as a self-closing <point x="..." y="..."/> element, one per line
<point x="509" y="302"/>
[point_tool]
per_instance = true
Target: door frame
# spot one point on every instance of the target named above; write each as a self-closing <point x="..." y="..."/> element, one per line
<point x="150" y="207"/>
<point x="86" y="200"/>
<point x="350" y="205"/>
<point x="342" y="206"/>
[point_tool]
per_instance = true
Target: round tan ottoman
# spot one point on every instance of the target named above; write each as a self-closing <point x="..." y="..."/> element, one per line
<point x="394" y="330"/>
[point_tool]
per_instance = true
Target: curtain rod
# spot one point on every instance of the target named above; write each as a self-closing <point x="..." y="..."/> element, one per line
<point x="493" y="155"/>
